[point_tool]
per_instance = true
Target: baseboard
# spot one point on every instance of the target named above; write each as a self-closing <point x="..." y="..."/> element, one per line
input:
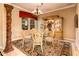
<point x="1" y="48"/>
<point x="72" y="41"/>
<point x="69" y="40"/>
<point x="16" y="38"/>
<point x="1" y="51"/>
<point x="19" y="37"/>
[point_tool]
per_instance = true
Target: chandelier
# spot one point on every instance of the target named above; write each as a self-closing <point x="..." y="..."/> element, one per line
<point x="37" y="10"/>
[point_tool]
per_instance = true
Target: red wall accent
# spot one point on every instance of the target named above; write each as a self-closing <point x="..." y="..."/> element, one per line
<point x="24" y="14"/>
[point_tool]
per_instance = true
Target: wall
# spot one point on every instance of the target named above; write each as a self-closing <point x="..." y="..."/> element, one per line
<point x="68" y="22"/>
<point x="16" y="24"/>
<point x="40" y="24"/>
<point x="77" y="29"/>
<point x="2" y="26"/>
<point x="76" y="50"/>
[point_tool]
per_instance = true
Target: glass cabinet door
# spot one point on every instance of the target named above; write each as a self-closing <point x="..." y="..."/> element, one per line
<point x="58" y="28"/>
<point x="58" y="24"/>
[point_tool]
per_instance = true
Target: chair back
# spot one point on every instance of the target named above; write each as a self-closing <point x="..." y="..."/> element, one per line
<point x="25" y="33"/>
<point x="37" y="37"/>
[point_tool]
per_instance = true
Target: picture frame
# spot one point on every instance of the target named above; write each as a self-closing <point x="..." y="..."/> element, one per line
<point x="76" y="21"/>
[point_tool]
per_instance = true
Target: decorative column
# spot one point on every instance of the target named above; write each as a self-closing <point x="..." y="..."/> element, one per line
<point x="8" y="46"/>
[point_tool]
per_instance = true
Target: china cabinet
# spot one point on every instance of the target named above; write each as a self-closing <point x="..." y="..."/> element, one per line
<point x="53" y="26"/>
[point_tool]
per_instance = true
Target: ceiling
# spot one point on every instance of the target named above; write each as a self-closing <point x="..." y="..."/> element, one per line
<point x="46" y="7"/>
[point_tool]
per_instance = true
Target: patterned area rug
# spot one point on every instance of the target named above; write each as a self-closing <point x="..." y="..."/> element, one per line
<point x="58" y="48"/>
<point x="67" y="49"/>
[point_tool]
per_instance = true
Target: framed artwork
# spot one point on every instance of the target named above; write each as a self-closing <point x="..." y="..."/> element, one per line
<point x="76" y="21"/>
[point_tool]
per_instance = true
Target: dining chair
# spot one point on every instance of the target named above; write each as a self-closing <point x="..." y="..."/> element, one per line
<point x="37" y="39"/>
<point x="25" y="35"/>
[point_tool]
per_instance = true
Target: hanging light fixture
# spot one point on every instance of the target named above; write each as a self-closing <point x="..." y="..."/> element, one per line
<point x="37" y="11"/>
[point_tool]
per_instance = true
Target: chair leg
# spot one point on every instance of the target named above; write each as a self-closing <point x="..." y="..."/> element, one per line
<point x="23" y="43"/>
<point x="33" y="46"/>
<point x="41" y="48"/>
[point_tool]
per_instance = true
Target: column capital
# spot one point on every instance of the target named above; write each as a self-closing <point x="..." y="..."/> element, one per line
<point x="8" y="7"/>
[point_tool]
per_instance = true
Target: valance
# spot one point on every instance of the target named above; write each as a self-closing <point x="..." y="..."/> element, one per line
<point x="24" y="14"/>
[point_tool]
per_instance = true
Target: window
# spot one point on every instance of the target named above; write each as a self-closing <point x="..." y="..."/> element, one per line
<point x="28" y="23"/>
<point x="24" y="24"/>
<point x="32" y="24"/>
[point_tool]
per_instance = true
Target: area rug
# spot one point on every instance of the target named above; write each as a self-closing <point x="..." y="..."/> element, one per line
<point x="58" y="48"/>
<point x="67" y="49"/>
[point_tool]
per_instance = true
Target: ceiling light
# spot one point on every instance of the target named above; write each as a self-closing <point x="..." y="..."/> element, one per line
<point x="37" y="10"/>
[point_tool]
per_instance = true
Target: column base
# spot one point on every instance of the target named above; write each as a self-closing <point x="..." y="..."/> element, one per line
<point x="8" y="50"/>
